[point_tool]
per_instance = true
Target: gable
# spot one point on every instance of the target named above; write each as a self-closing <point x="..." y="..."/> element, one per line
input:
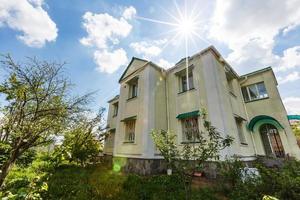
<point x="134" y="65"/>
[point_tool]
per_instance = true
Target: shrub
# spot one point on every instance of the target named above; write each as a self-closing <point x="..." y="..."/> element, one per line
<point x="281" y="183"/>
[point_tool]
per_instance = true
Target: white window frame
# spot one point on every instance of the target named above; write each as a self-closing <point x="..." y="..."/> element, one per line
<point x="133" y="90"/>
<point x="181" y="78"/>
<point x="256" y="89"/>
<point x="129" y="131"/>
<point x="194" y="130"/>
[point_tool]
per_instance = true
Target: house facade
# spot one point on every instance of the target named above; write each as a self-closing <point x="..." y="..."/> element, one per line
<point x="247" y="107"/>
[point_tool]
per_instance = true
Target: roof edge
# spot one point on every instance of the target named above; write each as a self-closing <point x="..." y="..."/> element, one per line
<point x="113" y="99"/>
<point x="132" y="59"/>
<point x="257" y="71"/>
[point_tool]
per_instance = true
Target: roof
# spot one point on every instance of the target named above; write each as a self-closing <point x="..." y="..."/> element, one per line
<point x="257" y="72"/>
<point x="113" y="99"/>
<point x="203" y="51"/>
<point x="293" y="117"/>
<point x="132" y="59"/>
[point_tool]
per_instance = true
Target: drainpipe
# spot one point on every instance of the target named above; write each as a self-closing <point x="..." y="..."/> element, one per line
<point x="253" y="142"/>
<point x="167" y="102"/>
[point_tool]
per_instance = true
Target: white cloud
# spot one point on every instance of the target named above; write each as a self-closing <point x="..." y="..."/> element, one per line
<point x="109" y="62"/>
<point x="292" y="105"/>
<point x="29" y="18"/>
<point x="290" y="59"/>
<point x="294" y="76"/>
<point x="165" y="64"/>
<point x="103" y="29"/>
<point x="104" y="33"/>
<point x="148" y="49"/>
<point x="129" y="12"/>
<point x="249" y="29"/>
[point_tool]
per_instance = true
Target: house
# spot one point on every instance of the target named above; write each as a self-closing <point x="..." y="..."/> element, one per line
<point x="247" y="107"/>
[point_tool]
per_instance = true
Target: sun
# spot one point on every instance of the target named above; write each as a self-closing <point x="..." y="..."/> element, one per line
<point x="186" y="26"/>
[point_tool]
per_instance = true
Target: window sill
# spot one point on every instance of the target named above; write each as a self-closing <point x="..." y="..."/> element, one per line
<point x="187" y="91"/>
<point x="257" y="100"/>
<point x="131" y="98"/>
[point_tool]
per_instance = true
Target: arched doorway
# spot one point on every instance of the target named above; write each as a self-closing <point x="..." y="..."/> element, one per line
<point x="271" y="140"/>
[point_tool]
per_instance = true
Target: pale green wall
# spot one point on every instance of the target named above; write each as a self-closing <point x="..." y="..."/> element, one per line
<point x="211" y="93"/>
<point x="273" y="107"/>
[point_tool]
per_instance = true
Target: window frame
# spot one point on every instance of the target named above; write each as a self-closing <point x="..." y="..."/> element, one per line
<point x="133" y="88"/>
<point x="184" y="130"/>
<point x="115" y="109"/>
<point x="182" y="80"/>
<point x="129" y="136"/>
<point x="249" y="97"/>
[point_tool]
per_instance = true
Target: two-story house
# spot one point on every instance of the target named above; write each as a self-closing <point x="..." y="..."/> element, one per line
<point x="247" y="107"/>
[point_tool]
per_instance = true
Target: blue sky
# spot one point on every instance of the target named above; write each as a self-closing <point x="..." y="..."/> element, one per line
<point x="98" y="38"/>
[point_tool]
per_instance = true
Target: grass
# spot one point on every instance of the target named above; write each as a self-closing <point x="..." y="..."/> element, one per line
<point x="41" y="180"/>
<point x="99" y="182"/>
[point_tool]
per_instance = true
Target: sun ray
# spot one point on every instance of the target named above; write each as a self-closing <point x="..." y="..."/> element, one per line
<point x="171" y="40"/>
<point x="156" y="21"/>
<point x="168" y="13"/>
<point x="186" y="27"/>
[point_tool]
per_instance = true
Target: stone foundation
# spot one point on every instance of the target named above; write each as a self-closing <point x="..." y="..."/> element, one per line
<point x="139" y="166"/>
<point x="158" y="166"/>
<point x="154" y="166"/>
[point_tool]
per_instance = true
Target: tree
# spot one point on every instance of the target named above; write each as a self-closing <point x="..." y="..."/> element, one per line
<point x="296" y="131"/>
<point x="82" y="141"/>
<point x="38" y="106"/>
<point x="189" y="158"/>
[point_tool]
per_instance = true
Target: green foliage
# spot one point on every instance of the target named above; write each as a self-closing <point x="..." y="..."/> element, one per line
<point x="29" y="182"/>
<point x="189" y="157"/>
<point x="155" y="187"/>
<point x="37" y="108"/>
<point x="281" y="183"/>
<point x="26" y="158"/>
<point x="82" y="140"/>
<point x="296" y="129"/>
<point x="5" y="149"/>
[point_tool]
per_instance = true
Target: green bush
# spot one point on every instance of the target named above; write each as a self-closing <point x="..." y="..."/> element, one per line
<point x="154" y="187"/>
<point x="26" y="183"/>
<point x="282" y="183"/>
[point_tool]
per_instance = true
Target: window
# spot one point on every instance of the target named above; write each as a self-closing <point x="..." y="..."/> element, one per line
<point x="271" y="140"/>
<point x="190" y="129"/>
<point x="184" y="83"/>
<point x="130" y="131"/>
<point x="239" y="125"/>
<point x="109" y="140"/>
<point x="254" y="92"/>
<point x="133" y="88"/>
<point x="116" y="107"/>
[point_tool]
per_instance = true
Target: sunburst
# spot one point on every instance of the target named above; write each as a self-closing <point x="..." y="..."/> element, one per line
<point x="185" y="26"/>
